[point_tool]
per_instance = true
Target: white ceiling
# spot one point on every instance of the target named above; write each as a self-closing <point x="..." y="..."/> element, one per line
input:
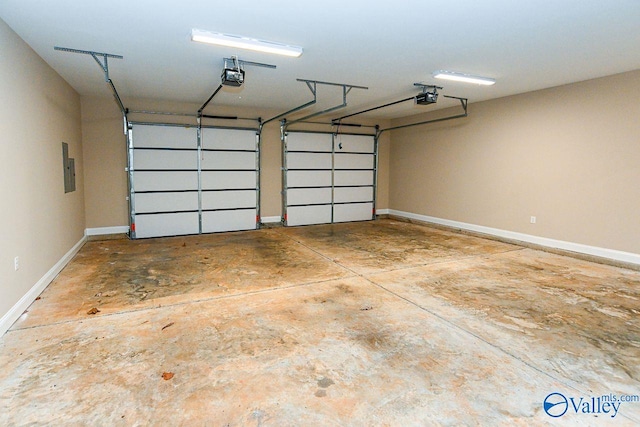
<point x="386" y="46"/>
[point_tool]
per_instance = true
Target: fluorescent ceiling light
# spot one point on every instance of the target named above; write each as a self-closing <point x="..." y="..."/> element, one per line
<point x="245" y="43"/>
<point x="460" y="77"/>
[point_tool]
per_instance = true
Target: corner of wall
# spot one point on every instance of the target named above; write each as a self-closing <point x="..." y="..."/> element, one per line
<point x="39" y="111"/>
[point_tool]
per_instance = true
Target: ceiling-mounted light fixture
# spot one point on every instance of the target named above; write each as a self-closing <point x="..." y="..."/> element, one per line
<point x="461" y="77"/>
<point x="245" y="43"/>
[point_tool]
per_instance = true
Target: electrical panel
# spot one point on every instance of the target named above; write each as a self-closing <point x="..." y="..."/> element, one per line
<point x="69" y="169"/>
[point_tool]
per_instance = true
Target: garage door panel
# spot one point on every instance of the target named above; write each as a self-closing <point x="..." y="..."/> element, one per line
<point x="300" y="141"/>
<point x="308" y="178"/>
<point x="353" y="212"/>
<point x="164" y="136"/>
<point x="165" y="181"/>
<point x="353" y="178"/>
<point x="305" y="196"/>
<point x="349" y="191"/>
<point x="228" y="180"/>
<point x="219" y="221"/>
<point x="353" y="194"/>
<point x="228" y="139"/>
<point x="166" y="202"/>
<point x="162" y="180"/>
<point x="354" y="144"/>
<point x="228" y="160"/>
<point x="309" y="161"/>
<point x="158" y="225"/>
<point x="228" y="199"/>
<point x="353" y="161"/>
<point x="307" y="215"/>
<point x="165" y="159"/>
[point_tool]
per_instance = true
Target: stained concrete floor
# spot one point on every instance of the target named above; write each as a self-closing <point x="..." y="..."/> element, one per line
<point x="379" y="323"/>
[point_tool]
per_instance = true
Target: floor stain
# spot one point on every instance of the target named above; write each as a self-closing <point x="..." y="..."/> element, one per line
<point x="154" y="272"/>
<point x="325" y="382"/>
<point x="375" y="246"/>
<point x="571" y="306"/>
<point x="273" y="327"/>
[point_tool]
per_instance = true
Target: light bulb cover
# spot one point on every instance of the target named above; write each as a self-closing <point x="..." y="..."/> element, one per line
<point x="461" y="77"/>
<point x="242" y="42"/>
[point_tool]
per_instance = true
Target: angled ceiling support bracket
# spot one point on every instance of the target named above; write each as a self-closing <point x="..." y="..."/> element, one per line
<point x="424" y="90"/>
<point x="312" y="87"/>
<point x="104" y="65"/>
<point x="463" y="103"/>
<point x="346" y="88"/>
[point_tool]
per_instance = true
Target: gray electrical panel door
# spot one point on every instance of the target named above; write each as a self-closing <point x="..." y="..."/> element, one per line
<point x="328" y="178"/>
<point x="69" y="169"/>
<point x="182" y="184"/>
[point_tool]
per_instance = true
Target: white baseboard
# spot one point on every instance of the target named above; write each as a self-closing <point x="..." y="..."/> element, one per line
<point x="270" y="219"/>
<point x="16" y="311"/>
<point x="612" y="254"/>
<point x="101" y="231"/>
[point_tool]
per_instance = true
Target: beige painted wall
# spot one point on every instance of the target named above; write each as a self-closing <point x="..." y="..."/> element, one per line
<point x="569" y="155"/>
<point x="105" y="155"/>
<point x="41" y="223"/>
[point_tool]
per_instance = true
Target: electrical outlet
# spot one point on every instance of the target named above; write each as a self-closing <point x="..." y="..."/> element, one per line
<point x="16" y="263"/>
<point x="533" y="220"/>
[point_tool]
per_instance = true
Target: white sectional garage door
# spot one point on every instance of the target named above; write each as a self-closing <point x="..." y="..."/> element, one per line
<point x="328" y="178"/>
<point x="181" y="184"/>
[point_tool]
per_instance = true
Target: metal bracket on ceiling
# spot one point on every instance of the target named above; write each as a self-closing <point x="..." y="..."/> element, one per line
<point x="242" y="63"/>
<point x="104" y="65"/>
<point x="425" y="87"/>
<point x="346" y="88"/>
<point x="313" y="87"/>
<point x="463" y="102"/>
